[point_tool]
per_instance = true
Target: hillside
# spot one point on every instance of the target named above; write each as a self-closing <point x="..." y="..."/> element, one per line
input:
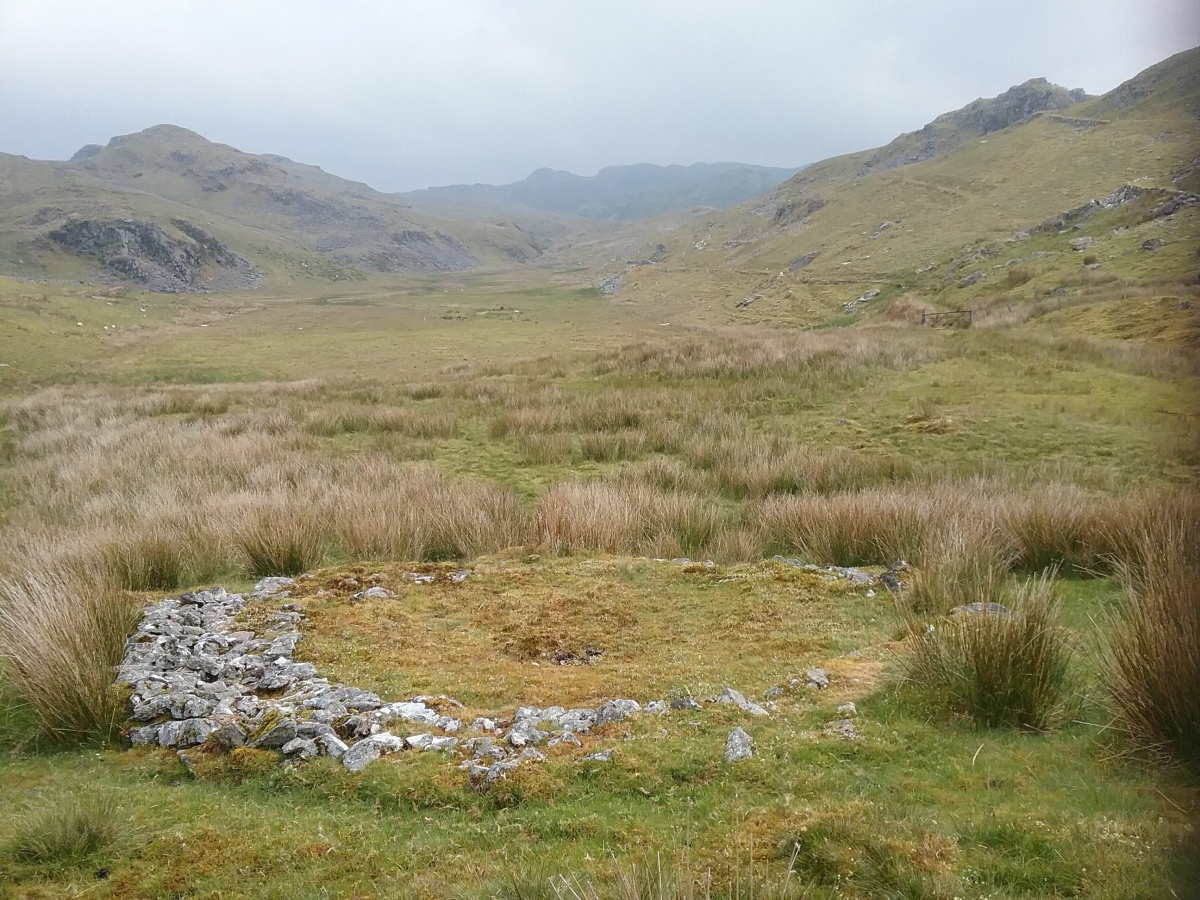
<point x="986" y="181"/>
<point x="143" y="208"/>
<point x="617" y="193"/>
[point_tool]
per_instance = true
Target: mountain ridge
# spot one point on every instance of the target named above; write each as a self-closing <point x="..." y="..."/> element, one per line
<point x="614" y="193"/>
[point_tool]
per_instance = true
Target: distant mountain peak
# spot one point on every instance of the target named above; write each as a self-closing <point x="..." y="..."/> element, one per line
<point x="165" y="131"/>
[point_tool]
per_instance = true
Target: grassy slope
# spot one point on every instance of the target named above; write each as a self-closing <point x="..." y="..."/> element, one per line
<point x="981" y="193"/>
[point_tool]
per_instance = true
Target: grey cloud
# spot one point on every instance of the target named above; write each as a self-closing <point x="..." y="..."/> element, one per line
<point x="406" y="94"/>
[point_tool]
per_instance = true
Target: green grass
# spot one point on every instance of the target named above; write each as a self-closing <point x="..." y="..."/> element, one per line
<point x="915" y="808"/>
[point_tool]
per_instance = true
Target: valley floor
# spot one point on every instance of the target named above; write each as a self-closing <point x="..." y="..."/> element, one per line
<point x="570" y="450"/>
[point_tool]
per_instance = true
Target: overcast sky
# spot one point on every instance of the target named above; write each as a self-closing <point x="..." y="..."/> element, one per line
<point x="404" y="94"/>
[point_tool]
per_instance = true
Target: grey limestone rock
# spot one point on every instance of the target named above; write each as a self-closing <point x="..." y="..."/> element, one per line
<point x="302" y="748"/>
<point x="145" y="734"/>
<point x="729" y="695"/>
<point x="373" y="593"/>
<point x="229" y="736"/>
<point x="817" y="678"/>
<point x="616" y="711"/>
<point x="331" y="745"/>
<point x="738" y="746"/>
<point x="484" y="748"/>
<point x="274" y="737"/>
<point x="358" y="756"/>
<point x="599" y="756"/>
<point x="431" y="742"/>
<point x="525" y="733"/>
<point x="499" y="771"/>
<point x="267" y="587"/>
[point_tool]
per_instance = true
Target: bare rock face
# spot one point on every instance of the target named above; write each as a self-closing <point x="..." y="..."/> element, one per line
<point x="145" y="253"/>
<point x="980" y="117"/>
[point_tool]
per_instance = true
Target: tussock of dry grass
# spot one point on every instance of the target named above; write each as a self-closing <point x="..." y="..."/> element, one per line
<point x="627" y="519"/>
<point x="966" y="561"/>
<point x="1153" y="671"/>
<point x="1001" y="670"/>
<point x="872" y="527"/>
<point x="61" y="636"/>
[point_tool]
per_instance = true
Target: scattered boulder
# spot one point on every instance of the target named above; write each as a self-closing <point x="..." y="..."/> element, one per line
<point x="600" y="756"/>
<point x="729" y="695"/>
<point x="616" y="711"/>
<point x="738" y="746"/>
<point x="1081" y="243"/>
<point x="300" y="748"/>
<point x="817" y="678"/>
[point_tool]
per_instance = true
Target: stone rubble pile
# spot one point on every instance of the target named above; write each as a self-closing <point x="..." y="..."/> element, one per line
<point x="199" y="677"/>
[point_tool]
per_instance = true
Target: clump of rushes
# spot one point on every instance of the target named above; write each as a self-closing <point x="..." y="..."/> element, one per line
<point x="963" y="563"/>
<point x="999" y="666"/>
<point x="149" y="560"/>
<point x="1153" y="656"/>
<point x="61" y="636"/>
<point x="282" y="538"/>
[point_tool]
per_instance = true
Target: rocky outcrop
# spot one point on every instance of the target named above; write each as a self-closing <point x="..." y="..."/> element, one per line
<point x="980" y="117"/>
<point x="611" y="284"/>
<point x="145" y="253"/>
<point x="1160" y="202"/>
<point x="801" y="261"/>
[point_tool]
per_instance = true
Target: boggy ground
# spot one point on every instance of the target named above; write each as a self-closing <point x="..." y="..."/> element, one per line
<point x="917" y="806"/>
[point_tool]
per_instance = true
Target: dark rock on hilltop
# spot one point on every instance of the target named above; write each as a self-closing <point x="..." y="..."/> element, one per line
<point x="980" y="117"/>
<point x="144" y="253"/>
